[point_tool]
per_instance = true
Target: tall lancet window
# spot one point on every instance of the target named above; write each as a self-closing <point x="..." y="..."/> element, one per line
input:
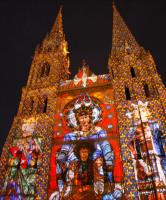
<point x="44" y="69"/>
<point x="45" y="104"/>
<point x="31" y="105"/>
<point x="146" y="90"/>
<point x="132" y="70"/>
<point x="42" y="104"/>
<point x="47" y="69"/>
<point x="127" y="92"/>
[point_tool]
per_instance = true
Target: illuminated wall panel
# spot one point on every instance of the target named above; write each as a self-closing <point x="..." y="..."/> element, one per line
<point x="86" y="161"/>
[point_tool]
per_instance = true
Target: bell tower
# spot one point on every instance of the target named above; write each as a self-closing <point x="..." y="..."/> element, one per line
<point x="50" y="65"/>
<point x="33" y="124"/>
<point x="51" y="61"/>
<point x="136" y="82"/>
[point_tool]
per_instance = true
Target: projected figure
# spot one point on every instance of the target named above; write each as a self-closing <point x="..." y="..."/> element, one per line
<point x="24" y="158"/>
<point x="80" y="174"/>
<point x="83" y="116"/>
<point x="139" y="146"/>
<point x="147" y="146"/>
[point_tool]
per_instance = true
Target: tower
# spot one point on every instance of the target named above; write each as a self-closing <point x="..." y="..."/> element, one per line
<point x="140" y="101"/>
<point x="90" y="137"/>
<point x="34" y="122"/>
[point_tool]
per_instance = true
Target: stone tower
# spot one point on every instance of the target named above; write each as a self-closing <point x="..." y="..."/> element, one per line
<point x="137" y="87"/>
<point x="50" y="65"/>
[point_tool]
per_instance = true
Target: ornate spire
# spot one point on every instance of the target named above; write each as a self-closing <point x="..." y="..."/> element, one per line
<point x="54" y="53"/>
<point x="58" y="24"/>
<point x="56" y="36"/>
<point x="122" y="37"/>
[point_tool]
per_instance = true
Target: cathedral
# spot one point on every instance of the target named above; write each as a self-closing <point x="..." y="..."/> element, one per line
<point x="98" y="137"/>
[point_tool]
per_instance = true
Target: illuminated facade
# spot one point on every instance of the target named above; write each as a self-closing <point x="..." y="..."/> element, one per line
<point x="93" y="137"/>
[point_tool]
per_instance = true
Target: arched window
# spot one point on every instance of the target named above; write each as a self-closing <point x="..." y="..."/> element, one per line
<point x="146" y="90"/>
<point x="132" y="70"/>
<point x="127" y="92"/>
<point x="31" y="104"/>
<point x="112" y="73"/>
<point x="44" y="69"/>
<point x="47" y="69"/>
<point x="45" y="105"/>
<point x="42" y="105"/>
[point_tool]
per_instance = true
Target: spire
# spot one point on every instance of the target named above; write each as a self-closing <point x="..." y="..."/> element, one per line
<point x="54" y="51"/>
<point x="58" y="24"/>
<point x="56" y="36"/>
<point x="122" y="37"/>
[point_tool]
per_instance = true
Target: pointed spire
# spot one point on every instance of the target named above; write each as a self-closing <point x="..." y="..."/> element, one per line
<point x="58" y="24"/>
<point x="121" y="35"/>
<point x="56" y="36"/>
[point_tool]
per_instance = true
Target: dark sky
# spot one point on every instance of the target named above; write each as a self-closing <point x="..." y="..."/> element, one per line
<point x="88" y="29"/>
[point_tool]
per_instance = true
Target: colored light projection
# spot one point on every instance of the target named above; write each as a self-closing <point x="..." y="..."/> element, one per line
<point x="85" y="161"/>
<point x="147" y="146"/>
<point x="24" y="159"/>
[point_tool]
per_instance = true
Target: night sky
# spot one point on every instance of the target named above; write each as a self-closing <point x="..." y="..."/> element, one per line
<point x="88" y="30"/>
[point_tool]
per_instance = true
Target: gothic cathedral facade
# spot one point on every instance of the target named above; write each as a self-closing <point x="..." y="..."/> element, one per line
<point x="92" y="137"/>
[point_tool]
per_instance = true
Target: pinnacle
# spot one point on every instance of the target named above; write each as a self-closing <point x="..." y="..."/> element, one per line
<point x="121" y="34"/>
<point x="58" y="24"/>
<point x="56" y="36"/>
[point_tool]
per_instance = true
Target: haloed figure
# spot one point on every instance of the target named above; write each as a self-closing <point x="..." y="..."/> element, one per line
<point x="82" y="117"/>
<point x="84" y="122"/>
